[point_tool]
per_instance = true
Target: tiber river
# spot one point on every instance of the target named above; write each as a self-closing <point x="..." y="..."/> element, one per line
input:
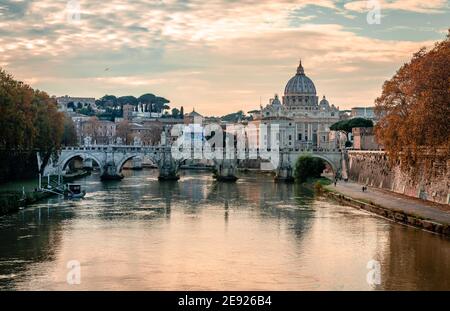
<point x="197" y="234"/>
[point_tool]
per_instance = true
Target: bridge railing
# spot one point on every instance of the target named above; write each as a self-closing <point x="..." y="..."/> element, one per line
<point x="249" y="153"/>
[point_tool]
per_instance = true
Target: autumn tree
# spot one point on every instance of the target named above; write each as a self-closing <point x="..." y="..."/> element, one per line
<point x="29" y="122"/>
<point x="414" y="107"/>
<point x="91" y="128"/>
<point x="151" y="135"/>
<point x="124" y="132"/>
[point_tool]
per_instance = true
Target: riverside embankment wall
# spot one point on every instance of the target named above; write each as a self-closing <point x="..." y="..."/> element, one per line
<point x="431" y="181"/>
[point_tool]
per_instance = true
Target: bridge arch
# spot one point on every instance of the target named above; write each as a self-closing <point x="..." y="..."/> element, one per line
<point x="82" y="155"/>
<point x="128" y="157"/>
<point x="124" y="160"/>
<point x="334" y="166"/>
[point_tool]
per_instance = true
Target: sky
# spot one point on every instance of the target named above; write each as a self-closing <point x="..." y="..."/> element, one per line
<point x="217" y="56"/>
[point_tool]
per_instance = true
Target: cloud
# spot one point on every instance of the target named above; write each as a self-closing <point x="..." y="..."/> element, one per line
<point x="420" y="6"/>
<point x="216" y="55"/>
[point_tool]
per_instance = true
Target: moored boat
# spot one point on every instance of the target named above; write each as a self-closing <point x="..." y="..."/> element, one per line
<point x="73" y="191"/>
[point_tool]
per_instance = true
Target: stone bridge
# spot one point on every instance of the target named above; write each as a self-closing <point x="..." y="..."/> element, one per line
<point x="111" y="159"/>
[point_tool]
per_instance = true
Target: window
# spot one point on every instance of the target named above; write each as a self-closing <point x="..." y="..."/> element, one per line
<point x="299" y="136"/>
<point x="290" y="137"/>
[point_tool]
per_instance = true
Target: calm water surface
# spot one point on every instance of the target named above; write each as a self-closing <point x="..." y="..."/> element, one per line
<point x="197" y="234"/>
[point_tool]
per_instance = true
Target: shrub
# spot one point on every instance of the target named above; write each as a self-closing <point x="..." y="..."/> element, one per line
<point x="308" y="167"/>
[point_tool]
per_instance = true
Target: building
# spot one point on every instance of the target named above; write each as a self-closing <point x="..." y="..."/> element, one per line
<point x="139" y="112"/>
<point x="193" y="117"/>
<point x="363" y="112"/>
<point x="67" y="103"/>
<point x="303" y="121"/>
<point x="364" y="139"/>
<point x="99" y="131"/>
<point x="105" y="132"/>
<point x="128" y="112"/>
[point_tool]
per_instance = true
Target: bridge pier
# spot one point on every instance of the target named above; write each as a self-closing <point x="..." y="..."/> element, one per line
<point x="168" y="168"/>
<point x="284" y="172"/>
<point x="225" y="170"/>
<point x="110" y="172"/>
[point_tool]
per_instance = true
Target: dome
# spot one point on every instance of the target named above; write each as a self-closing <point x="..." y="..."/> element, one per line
<point x="276" y="101"/>
<point x="300" y="84"/>
<point x="324" y="103"/>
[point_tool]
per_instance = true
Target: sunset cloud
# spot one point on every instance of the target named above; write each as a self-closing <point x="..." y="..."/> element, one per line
<point x="420" y="6"/>
<point x="216" y="55"/>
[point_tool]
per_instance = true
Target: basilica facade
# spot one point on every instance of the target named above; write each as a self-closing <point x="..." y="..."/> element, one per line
<point x="303" y="121"/>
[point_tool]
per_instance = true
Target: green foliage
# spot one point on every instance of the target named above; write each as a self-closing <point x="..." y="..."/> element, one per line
<point x="175" y="113"/>
<point x="156" y="103"/>
<point x="106" y="101"/>
<point x="87" y="111"/>
<point x="114" y="105"/>
<point x="127" y="100"/>
<point x="308" y="167"/>
<point x="234" y="117"/>
<point x="348" y="125"/>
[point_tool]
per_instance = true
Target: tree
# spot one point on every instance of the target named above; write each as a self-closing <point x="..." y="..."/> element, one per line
<point x="414" y="107"/>
<point x="347" y="125"/>
<point x="71" y="105"/>
<point x="234" y="117"/>
<point x="182" y="112"/>
<point x="91" y="128"/>
<point x="69" y="137"/>
<point x="156" y="103"/>
<point x="127" y="100"/>
<point x="106" y="101"/>
<point x="175" y="113"/>
<point x="88" y="111"/>
<point x="29" y="122"/>
<point x="152" y="134"/>
<point x="308" y="167"/>
<point x="124" y="132"/>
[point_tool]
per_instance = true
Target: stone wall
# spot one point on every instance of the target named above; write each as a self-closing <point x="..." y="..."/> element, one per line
<point x="372" y="168"/>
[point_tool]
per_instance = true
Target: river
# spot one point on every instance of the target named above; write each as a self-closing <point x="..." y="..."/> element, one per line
<point x="198" y="234"/>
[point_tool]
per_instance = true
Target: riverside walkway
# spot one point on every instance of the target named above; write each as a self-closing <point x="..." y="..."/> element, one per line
<point x="438" y="213"/>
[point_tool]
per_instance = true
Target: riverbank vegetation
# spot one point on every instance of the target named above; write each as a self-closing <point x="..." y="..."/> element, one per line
<point x="307" y="167"/>
<point x="414" y="108"/>
<point x="29" y="123"/>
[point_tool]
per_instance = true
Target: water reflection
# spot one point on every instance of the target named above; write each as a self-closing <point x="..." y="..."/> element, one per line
<point x="201" y="234"/>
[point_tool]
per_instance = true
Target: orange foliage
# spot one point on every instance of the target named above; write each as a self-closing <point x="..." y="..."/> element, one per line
<point x="414" y="107"/>
<point x="29" y="119"/>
